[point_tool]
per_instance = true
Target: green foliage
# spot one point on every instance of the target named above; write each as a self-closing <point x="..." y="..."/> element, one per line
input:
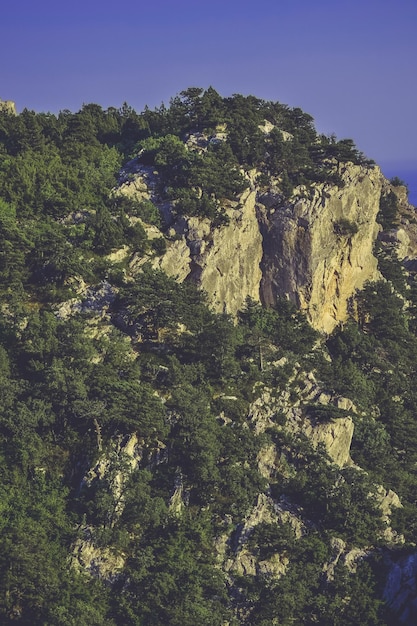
<point x="341" y="501"/>
<point x="174" y="581"/>
<point x="195" y="182"/>
<point x="380" y="311"/>
<point x="159" y="246"/>
<point x="157" y="301"/>
<point x="283" y="325"/>
<point x="391" y="268"/>
<point x="345" y="228"/>
<point x="374" y="364"/>
<point x="270" y="539"/>
<point x="145" y="209"/>
<point x="397" y="182"/>
<point x="36" y="587"/>
<point x="388" y="208"/>
<point x="135" y="235"/>
<point x="107" y="232"/>
<point x="325" y="412"/>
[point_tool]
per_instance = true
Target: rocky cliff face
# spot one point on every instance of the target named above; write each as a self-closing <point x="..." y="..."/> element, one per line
<point x="212" y="473"/>
<point x="8" y="105"/>
<point x="224" y="262"/>
<point x="335" y="434"/>
<point x="318" y="248"/>
<point x="315" y="249"/>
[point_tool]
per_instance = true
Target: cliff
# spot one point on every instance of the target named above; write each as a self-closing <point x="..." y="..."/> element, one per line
<point x="318" y="249"/>
<point x="315" y="249"/>
<point x="8" y="106"/>
<point x="225" y="262"/>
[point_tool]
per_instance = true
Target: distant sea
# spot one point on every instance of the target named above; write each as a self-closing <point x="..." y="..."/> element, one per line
<point x="407" y="174"/>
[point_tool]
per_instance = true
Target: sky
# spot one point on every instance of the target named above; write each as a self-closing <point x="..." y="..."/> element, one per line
<point x="351" y="65"/>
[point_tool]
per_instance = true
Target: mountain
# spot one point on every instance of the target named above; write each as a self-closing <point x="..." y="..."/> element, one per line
<point x="207" y="354"/>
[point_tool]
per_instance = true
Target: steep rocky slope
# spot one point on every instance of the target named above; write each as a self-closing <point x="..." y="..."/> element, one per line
<point x="8" y="106"/>
<point x="318" y="249"/>
<point x="315" y="249"/>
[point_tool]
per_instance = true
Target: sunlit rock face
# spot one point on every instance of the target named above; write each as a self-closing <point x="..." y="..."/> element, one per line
<point x="9" y="106"/>
<point x="315" y="249"/>
<point x="318" y="248"/>
<point x="223" y="261"/>
<point x="226" y="261"/>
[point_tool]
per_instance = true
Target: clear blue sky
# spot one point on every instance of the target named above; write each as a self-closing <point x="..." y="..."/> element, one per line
<point x="352" y="65"/>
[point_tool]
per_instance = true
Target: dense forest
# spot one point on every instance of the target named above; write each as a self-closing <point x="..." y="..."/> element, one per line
<point x="144" y="355"/>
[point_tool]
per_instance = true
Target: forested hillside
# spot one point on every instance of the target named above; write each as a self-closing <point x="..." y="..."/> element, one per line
<point x="165" y="464"/>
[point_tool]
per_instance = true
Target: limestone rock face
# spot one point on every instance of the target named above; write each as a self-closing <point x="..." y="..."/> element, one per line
<point x="176" y="260"/>
<point x="336" y="436"/>
<point x="340" y="554"/>
<point x="226" y="261"/>
<point x="244" y="562"/>
<point x="388" y="500"/>
<point x="98" y="561"/>
<point x="92" y="299"/>
<point x="405" y="236"/>
<point x="114" y="467"/>
<point x="399" y="239"/>
<point x="318" y="249"/>
<point x="9" y="106"/>
<point x="335" y="433"/>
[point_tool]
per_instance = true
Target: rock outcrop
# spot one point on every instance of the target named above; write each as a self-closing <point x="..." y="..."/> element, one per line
<point x="340" y="553"/>
<point x="315" y="249"/>
<point x="113" y="469"/>
<point x="244" y="562"/>
<point x="9" y="106"/>
<point x="404" y="237"/>
<point x="318" y="249"/>
<point x="102" y="562"/>
<point x="334" y="433"/>
<point x="224" y="261"/>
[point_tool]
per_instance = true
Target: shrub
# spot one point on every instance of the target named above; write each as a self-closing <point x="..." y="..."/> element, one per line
<point x="345" y="227"/>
